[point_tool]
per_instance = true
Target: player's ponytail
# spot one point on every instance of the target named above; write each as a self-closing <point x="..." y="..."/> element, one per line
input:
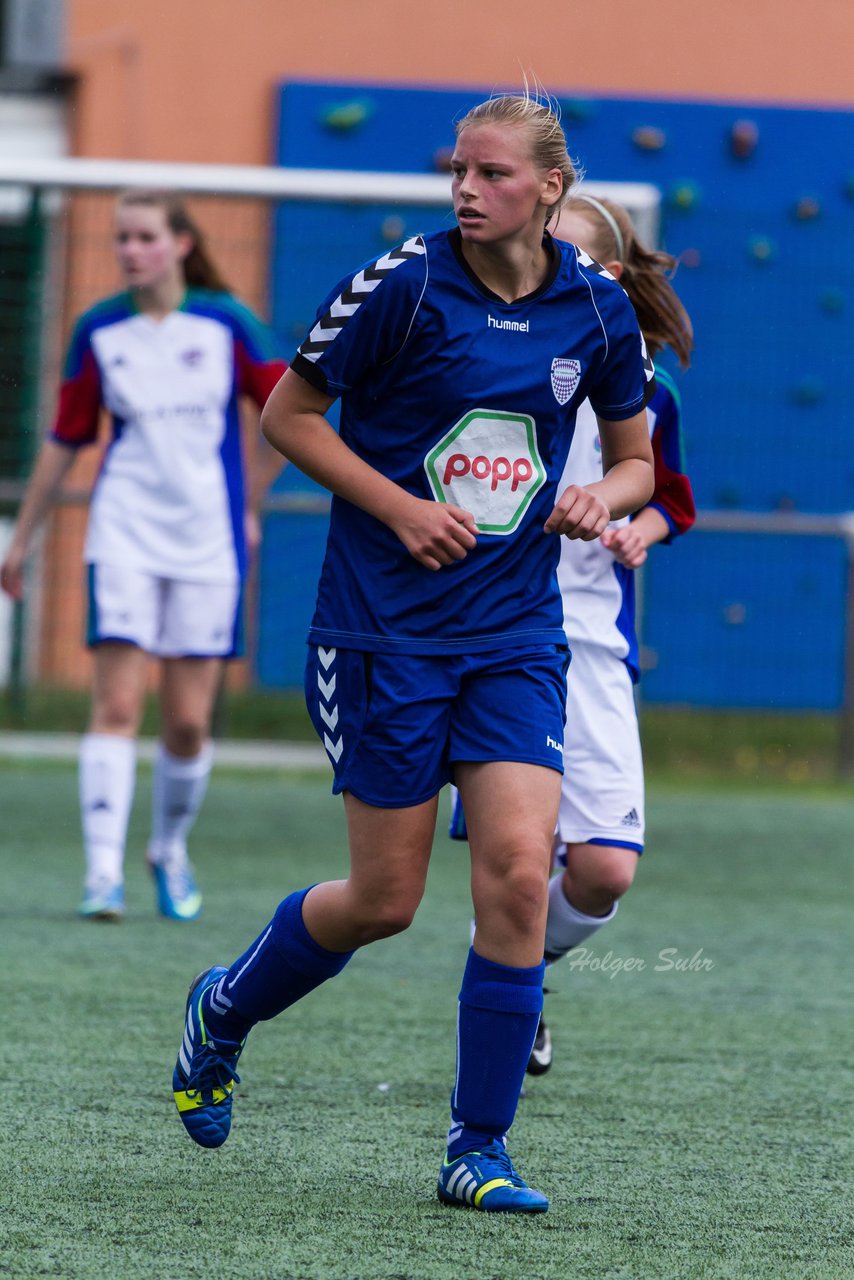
<point x="200" y="270"/>
<point x="646" y="276"/>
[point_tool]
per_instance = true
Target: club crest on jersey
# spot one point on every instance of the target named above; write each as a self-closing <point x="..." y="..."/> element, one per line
<point x="566" y="375"/>
<point x="488" y="463"/>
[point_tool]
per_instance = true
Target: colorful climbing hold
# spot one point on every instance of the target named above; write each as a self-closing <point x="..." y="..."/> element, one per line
<point x="684" y="196"/>
<point x="392" y="228"/>
<point x="809" y="391"/>
<point x="761" y="249"/>
<point x="343" y="117"/>
<point x="579" y="110"/>
<point x="648" y="137"/>
<point x="744" y="138"/>
<point x="832" y="301"/>
<point x="807" y="209"/>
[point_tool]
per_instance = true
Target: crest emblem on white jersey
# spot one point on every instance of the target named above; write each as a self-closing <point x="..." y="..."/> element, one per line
<point x="566" y="375"/>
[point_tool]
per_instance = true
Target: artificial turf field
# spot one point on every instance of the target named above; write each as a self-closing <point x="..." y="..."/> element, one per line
<point x="695" y="1125"/>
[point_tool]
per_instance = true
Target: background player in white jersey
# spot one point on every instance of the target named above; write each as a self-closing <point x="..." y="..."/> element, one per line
<point x="166" y="544"/>
<point x="437" y="646"/>
<point x="600" y="829"/>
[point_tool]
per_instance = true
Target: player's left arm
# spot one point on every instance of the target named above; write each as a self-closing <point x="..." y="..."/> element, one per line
<point x="671" y="510"/>
<point x="585" y="511"/>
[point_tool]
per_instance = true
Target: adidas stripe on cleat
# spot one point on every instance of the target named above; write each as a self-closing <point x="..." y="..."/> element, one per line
<point x="486" y="1180"/>
<point x="205" y="1073"/>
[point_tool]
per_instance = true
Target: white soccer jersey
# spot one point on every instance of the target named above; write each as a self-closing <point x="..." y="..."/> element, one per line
<point x="591" y="581"/>
<point x="169" y="500"/>
<point x="598" y="592"/>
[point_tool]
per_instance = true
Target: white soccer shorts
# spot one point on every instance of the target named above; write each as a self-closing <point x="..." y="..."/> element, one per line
<point x="602" y="797"/>
<point x="163" y="616"/>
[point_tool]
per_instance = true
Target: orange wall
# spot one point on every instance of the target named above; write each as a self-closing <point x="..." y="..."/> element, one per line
<point x="195" y="79"/>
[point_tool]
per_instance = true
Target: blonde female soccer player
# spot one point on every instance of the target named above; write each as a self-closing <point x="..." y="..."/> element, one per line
<point x="166" y="543"/>
<point x="437" y="647"/>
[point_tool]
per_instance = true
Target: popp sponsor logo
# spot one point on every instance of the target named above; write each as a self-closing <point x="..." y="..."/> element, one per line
<point x="495" y="470"/>
<point x="489" y="463"/>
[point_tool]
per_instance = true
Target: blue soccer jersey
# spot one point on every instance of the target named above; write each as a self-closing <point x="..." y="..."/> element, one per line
<point x="461" y="397"/>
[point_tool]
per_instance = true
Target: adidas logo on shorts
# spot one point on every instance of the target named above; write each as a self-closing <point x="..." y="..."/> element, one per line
<point x="631" y="819"/>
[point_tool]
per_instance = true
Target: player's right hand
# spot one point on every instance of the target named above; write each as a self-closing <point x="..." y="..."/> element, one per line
<point x="436" y="533"/>
<point x="12" y="574"/>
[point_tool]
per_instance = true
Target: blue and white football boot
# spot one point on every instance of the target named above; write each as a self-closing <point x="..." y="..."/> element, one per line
<point x="205" y="1073"/>
<point x="486" y="1180"/>
<point x="178" y="896"/>
<point x="103" y="900"/>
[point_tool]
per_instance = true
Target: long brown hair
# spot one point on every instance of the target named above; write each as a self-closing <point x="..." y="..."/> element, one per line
<point x="200" y="270"/>
<point x="646" y="275"/>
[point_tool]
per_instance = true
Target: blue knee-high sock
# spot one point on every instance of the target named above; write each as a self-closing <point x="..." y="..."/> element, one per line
<point x="279" y="968"/>
<point x="499" y="1011"/>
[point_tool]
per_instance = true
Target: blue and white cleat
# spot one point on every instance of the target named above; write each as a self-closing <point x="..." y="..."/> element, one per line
<point x="205" y="1074"/>
<point x="103" y="901"/>
<point x="486" y="1180"/>
<point x="178" y="896"/>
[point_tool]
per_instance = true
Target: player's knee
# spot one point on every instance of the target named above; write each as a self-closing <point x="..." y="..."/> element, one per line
<point x="386" y="915"/>
<point x="117" y="714"/>
<point x="183" y="736"/>
<point x="602" y="879"/>
<point x="617" y="872"/>
<point x="521" y="894"/>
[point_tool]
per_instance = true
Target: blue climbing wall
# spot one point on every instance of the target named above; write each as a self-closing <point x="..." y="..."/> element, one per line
<point x="758" y="203"/>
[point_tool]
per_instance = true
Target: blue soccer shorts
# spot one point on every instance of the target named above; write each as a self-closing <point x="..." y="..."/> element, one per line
<point x="394" y="725"/>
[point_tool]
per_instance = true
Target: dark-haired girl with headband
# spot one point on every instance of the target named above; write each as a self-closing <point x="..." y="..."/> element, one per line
<point x="600" y="830"/>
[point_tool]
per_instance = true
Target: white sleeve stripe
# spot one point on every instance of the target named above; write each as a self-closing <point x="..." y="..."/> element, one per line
<point x="348" y="302"/>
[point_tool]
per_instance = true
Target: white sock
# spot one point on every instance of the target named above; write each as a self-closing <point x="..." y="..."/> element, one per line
<point x="565" y="925"/>
<point x="178" y="791"/>
<point x="107" y="774"/>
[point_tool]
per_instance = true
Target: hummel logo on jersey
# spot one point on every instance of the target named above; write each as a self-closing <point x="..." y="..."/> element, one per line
<point x="566" y="375"/>
<point x="515" y="326"/>
<point x="550" y="742"/>
<point x="631" y="819"/>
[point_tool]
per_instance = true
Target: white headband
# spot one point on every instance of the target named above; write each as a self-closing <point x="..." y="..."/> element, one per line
<point x="611" y="221"/>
